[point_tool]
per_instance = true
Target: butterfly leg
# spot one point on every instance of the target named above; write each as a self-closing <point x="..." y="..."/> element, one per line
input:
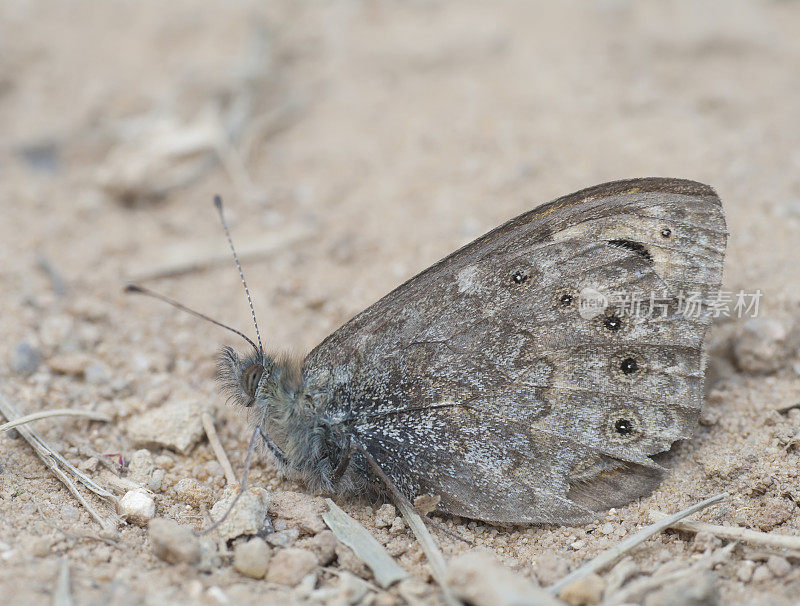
<point x="273" y="448"/>
<point x="344" y="463"/>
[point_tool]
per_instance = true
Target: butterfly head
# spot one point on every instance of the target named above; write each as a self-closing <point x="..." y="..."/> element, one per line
<point x="242" y="377"/>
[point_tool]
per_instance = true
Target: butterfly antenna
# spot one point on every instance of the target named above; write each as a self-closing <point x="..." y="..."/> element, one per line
<point x="218" y="204"/>
<point x="242" y="487"/>
<point x="141" y="290"/>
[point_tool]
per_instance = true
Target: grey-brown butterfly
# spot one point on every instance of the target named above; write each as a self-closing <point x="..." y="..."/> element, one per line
<point x="492" y="381"/>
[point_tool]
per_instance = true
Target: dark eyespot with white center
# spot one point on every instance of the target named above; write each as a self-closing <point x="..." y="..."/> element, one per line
<point x="565" y="299"/>
<point x="612" y="323"/>
<point x="519" y="277"/>
<point x="624" y="427"/>
<point x="250" y="378"/>
<point x="629" y="366"/>
<point x="666" y="232"/>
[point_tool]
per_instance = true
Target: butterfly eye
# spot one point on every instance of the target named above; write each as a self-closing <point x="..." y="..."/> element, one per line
<point x="629" y="366"/>
<point x="666" y="232"/>
<point x="612" y="323"/>
<point x="250" y="378"/>
<point x="519" y="277"/>
<point x="623" y="427"/>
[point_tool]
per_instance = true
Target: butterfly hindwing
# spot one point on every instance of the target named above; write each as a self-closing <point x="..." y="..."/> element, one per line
<point x="479" y="379"/>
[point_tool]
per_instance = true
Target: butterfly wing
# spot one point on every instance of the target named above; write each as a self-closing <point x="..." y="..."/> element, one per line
<point x="489" y="379"/>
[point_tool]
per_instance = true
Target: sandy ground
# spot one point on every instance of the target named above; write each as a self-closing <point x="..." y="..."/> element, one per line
<point x="360" y="142"/>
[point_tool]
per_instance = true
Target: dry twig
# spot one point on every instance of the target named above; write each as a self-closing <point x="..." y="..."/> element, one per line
<point x="609" y="556"/>
<point x="58" y="464"/>
<point x="59" y="412"/>
<point x="734" y="533"/>
<point x="636" y="590"/>
<point x="191" y="257"/>
<point x="219" y="451"/>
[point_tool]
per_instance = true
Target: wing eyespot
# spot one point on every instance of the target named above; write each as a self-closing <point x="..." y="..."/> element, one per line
<point x="666" y="232"/>
<point x="565" y="299"/>
<point x="624" y="427"/>
<point x="623" y="424"/>
<point x="629" y="366"/>
<point x="613" y="323"/>
<point x="519" y="277"/>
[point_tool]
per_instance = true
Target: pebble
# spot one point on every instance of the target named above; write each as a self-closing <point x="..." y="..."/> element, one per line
<point x="175" y="425"/>
<point x="306" y="587"/>
<point x="350" y="589"/>
<point x="477" y="578"/>
<point x="137" y="507"/>
<point x="141" y="466"/>
<point x="25" y="359"/>
<point x="289" y="566"/>
<point x="705" y="541"/>
<point x="762" y="573"/>
<point x="252" y="558"/>
<point x="74" y="364"/>
<point x="248" y="517"/>
<point x="385" y="599"/>
<point x="607" y="528"/>
<point x="323" y="545"/>
<point x="193" y="492"/>
<point x="584" y="591"/>
<point x="745" y="571"/>
<point x="762" y="346"/>
<point x="172" y="542"/>
<point x="385" y="516"/>
<point x="398" y="546"/>
<point x="40" y="547"/>
<point x="778" y="566"/>
<point x="299" y="510"/>
<point x="550" y="568"/>
<point x="398" y="526"/>
<point x="773" y="512"/>
<point x="283" y="538"/>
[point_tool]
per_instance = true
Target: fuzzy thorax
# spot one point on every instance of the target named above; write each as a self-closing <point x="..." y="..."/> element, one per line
<point x="304" y="442"/>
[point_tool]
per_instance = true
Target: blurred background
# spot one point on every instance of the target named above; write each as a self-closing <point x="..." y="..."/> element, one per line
<point x="354" y="143"/>
<point x="357" y="142"/>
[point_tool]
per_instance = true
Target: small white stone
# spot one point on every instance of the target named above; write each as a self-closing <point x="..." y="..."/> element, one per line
<point x="137" y="507"/>
<point x="762" y="573"/>
<point x="397" y="526"/>
<point x="607" y="528"/>
<point x="350" y="589"/>
<point x="290" y="565"/>
<point x="778" y="566"/>
<point x="175" y="425"/>
<point x="249" y="515"/>
<point x="385" y="516"/>
<point x="745" y="571"/>
<point x="172" y="542"/>
<point x="252" y="558"/>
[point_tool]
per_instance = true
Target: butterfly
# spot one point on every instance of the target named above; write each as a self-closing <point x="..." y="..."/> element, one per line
<point x="485" y="382"/>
